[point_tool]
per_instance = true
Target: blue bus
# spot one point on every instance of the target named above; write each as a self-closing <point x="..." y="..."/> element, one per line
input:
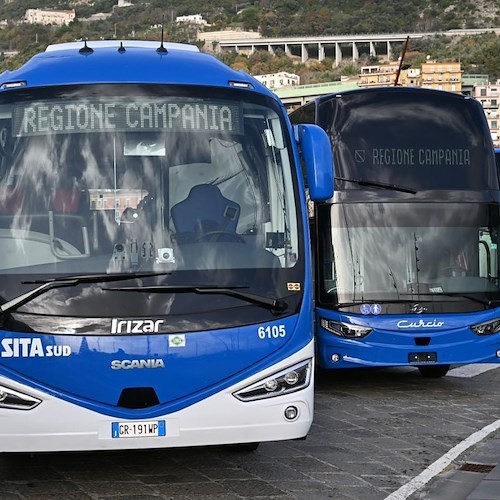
<point x="154" y="261"/>
<point x="407" y="262"/>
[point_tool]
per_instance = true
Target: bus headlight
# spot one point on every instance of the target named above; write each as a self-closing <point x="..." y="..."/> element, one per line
<point x="291" y="379"/>
<point x="347" y="330"/>
<point x="487" y="328"/>
<point x="9" y="398"/>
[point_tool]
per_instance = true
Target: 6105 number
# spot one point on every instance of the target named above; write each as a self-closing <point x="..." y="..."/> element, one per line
<point x="271" y="332"/>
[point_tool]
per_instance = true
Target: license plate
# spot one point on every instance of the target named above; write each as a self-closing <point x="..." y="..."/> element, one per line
<point x="152" y="428"/>
<point x="422" y="357"/>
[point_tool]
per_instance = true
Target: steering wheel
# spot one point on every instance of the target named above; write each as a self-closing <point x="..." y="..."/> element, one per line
<point x="454" y="270"/>
<point x="221" y="236"/>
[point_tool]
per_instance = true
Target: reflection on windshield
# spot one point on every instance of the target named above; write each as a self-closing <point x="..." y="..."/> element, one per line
<point x="123" y="183"/>
<point x="385" y="251"/>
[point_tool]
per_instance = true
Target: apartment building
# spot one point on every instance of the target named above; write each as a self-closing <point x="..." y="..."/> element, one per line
<point x="278" y="80"/>
<point x="192" y="19"/>
<point x="50" y="16"/>
<point x="431" y="74"/>
<point x="385" y="76"/>
<point x="442" y="76"/>
<point x="489" y="96"/>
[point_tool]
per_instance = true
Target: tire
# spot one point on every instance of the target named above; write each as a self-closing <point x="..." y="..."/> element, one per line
<point x="243" y="447"/>
<point x="434" y="371"/>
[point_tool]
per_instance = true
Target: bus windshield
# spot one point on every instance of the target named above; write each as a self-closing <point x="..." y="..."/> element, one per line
<point x="410" y="139"/>
<point x="443" y="255"/>
<point x="197" y="184"/>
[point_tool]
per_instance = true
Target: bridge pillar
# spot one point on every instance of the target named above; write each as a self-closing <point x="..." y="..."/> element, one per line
<point x="389" y="51"/>
<point x="304" y="53"/>
<point x="355" y="52"/>
<point x="288" y="52"/>
<point x="321" y="52"/>
<point x="338" y="54"/>
<point x="373" y="52"/>
<point x="270" y="49"/>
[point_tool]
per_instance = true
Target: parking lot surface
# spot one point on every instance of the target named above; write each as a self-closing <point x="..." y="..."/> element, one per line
<point x="373" y="432"/>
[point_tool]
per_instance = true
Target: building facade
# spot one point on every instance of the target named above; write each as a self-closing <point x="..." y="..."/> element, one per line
<point x="442" y="76"/>
<point x="49" y="16"/>
<point x="432" y="74"/>
<point x="193" y="19"/>
<point x="489" y="96"/>
<point x="278" y="80"/>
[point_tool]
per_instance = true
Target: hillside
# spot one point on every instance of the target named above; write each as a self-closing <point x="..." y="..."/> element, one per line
<point x="271" y="18"/>
<point x="292" y="17"/>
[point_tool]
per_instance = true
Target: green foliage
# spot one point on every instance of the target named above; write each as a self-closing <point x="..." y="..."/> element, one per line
<point x="271" y="18"/>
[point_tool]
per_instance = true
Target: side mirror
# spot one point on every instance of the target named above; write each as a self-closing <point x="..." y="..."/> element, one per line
<point x="318" y="159"/>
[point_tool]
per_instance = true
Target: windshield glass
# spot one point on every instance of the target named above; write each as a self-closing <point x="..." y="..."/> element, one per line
<point x="129" y="178"/>
<point x="412" y="138"/>
<point x="443" y="253"/>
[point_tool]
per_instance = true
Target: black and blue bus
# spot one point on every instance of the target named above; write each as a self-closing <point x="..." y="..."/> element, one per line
<point x="406" y="251"/>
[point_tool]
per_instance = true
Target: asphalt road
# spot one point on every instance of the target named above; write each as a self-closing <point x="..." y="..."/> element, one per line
<point x="374" y="431"/>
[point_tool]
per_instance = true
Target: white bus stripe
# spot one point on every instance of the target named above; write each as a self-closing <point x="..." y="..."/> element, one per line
<point x="441" y="463"/>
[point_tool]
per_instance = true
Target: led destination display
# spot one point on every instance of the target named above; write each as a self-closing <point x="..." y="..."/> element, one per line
<point x="414" y="156"/>
<point x="63" y="116"/>
<point x="421" y="156"/>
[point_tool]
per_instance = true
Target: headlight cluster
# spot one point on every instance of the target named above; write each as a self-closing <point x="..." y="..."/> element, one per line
<point x="487" y="328"/>
<point x="347" y="330"/>
<point x="9" y="398"/>
<point x="291" y="379"/>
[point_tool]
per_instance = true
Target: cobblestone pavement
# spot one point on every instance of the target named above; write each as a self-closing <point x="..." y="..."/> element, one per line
<point x="374" y="430"/>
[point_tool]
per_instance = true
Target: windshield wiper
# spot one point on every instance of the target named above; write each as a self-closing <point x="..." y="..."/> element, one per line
<point x="374" y="301"/>
<point x="484" y="302"/>
<point x="65" y="281"/>
<point x="233" y="291"/>
<point x="382" y="185"/>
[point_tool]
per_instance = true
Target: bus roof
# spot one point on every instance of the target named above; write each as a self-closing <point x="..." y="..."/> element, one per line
<point x="125" y="62"/>
<point x="145" y="44"/>
<point x="389" y="90"/>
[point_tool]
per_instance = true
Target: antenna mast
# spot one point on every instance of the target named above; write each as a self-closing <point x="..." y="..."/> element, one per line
<point x="401" y="60"/>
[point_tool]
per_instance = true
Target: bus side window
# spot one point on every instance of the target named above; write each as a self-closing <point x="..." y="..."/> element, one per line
<point x="487" y="255"/>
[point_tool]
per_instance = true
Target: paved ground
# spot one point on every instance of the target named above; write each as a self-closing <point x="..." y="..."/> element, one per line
<point x="374" y="431"/>
<point x="476" y="476"/>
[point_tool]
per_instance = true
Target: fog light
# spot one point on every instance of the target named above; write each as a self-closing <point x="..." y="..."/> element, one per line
<point x="291" y="412"/>
<point x="498" y="353"/>
<point x="335" y="358"/>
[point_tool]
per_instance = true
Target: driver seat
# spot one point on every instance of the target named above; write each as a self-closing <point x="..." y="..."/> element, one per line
<point x="205" y="210"/>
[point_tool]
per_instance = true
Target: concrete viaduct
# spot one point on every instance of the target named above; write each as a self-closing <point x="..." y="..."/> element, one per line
<point x="336" y="47"/>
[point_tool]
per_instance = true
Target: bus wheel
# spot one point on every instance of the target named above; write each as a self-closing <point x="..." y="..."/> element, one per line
<point x="435" y="371"/>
